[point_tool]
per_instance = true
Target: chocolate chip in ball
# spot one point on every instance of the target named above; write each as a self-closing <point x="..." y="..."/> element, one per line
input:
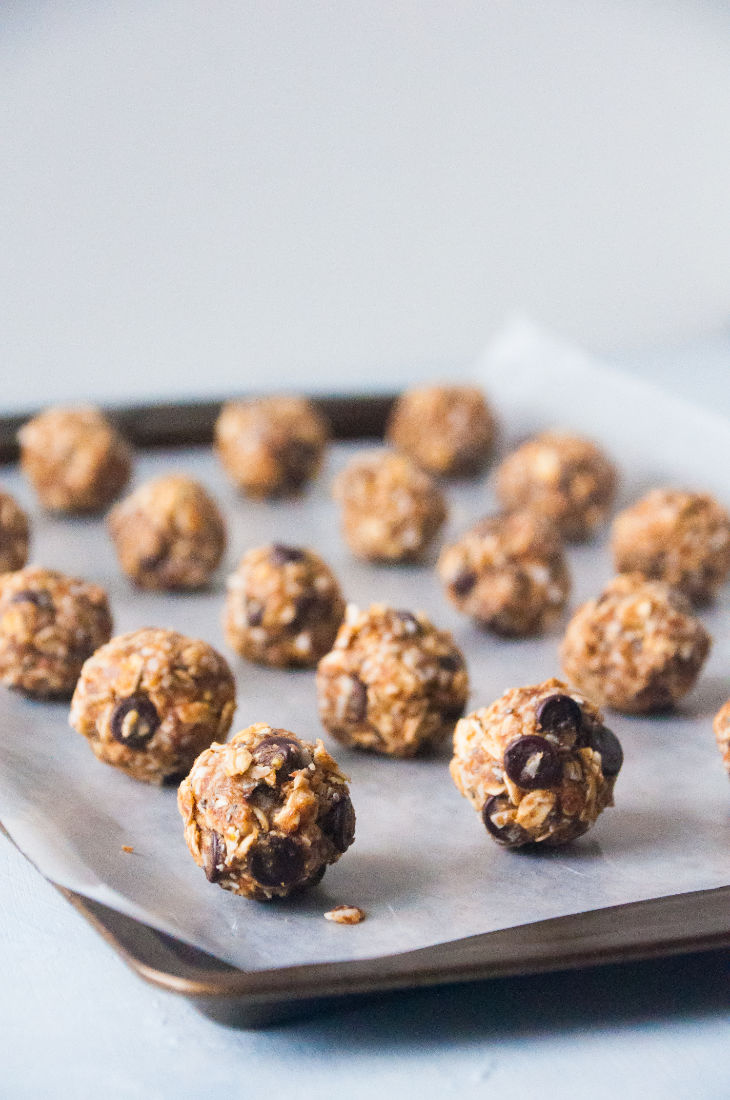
<point x="297" y="458"/>
<point x="214" y="854"/>
<point x="463" y="582"/>
<point x="276" y="860"/>
<point x="282" y="555"/>
<point x="410" y="623"/>
<point x="281" y="751"/>
<point x="559" y="714"/>
<point x="454" y="711"/>
<point x="606" y="742"/>
<point x="510" y="835"/>
<point x="134" y="721"/>
<point x="338" y="822"/>
<point x="451" y="662"/>
<point x="532" y="763"/>
<point x="254" y="612"/>
<point x="38" y="597"/>
<point x="308" y="608"/>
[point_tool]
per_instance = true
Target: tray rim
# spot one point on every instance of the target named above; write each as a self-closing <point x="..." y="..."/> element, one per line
<point x="352" y="416"/>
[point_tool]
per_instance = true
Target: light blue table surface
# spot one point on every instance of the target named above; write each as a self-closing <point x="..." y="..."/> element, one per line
<point x="75" y="1022"/>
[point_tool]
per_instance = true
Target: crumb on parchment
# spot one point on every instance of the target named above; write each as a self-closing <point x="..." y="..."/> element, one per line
<point x="345" y="914"/>
<point x="127" y="848"/>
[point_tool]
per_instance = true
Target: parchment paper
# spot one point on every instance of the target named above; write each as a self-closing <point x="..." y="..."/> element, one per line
<point x="422" y="865"/>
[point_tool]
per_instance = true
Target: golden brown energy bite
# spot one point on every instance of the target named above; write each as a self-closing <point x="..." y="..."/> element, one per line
<point x="265" y="814"/>
<point x="447" y="430"/>
<point x="678" y="537"/>
<point x="721" y="726"/>
<point x="271" y="446"/>
<point x="168" y="534"/>
<point x="284" y="606"/>
<point x="508" y="573"/>
<point x="75" y="459"/>
<point x="14" y="534"/>
<point x="49" y="625"/>
<point x="393" y="683"/>
<point x="637" y="648"/>
<point x="150" y="701"/>
<point x="391" y="509"/>
<point x="566" y="478"/>
<point x="538" y="764"/>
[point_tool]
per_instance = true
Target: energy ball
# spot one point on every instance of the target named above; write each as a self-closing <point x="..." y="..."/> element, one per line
<point x="265" y="814"/>
<point x="538" y="765"/>
<point x="150" y="701"/>
<point x="637" y="648"/>
<point x="271" y="446"/>
<point x="168" y="534"/>
<point x="75" y="459"/>
<point x="508" y="573"/>
<point x="284" y="607"/>
<point x="391" y="510"/>
<point x="393" y="683"/>
<point x="678" y="537"/>
<point x="447" y="430"/>
<point x="721" y="726"/>
<point x="564" y="477"/>
<point x="14" y="534"/>
<point x="49" y="625"/>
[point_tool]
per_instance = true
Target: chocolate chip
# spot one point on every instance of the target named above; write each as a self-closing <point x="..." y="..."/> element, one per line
<point x="357" y="701"/>
<point x="451" y="662"/>
<point x="282" y="555"/>
<point x="532" y="763"/>
<point x="338" y="822"/>
<point x="290" y="754"/>
<point x="463" y="582"/>
<point x="308" y="608"/>
<point x="254" y="612"/>
<point x="38" y="597"/>
<point x="409" y="620"/>
<point x="511" y="835"/>
<point x="276" y="860"/>
<point x="134" y="721"/>
<point x="214" y="854"/>
<point x="454" y="711"/>
<point x="606" y="742"/>
<point x="559" y="714"/>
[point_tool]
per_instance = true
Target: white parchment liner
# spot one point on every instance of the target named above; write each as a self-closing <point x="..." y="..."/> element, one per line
<point x="422" y="865"/>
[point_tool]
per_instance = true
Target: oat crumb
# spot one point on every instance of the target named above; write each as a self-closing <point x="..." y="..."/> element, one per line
<point x="345" y="914"/>
<point x="127" y="848"/>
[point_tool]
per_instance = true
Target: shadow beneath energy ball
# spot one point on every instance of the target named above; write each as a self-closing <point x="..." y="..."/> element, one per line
<point x="712" y="693"/>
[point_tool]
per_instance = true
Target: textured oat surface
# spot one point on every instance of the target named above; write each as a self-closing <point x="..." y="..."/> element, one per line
<point x="637" y="647"/>
<point x="448" y="430"/>
<point x="565" y="477"/>
<point x="75" y="460"/>
<point x="678" y="537"/>
<point x="283" y="606"/>
<point x="508" y="572"/>
<point x="266" y="813"/>
<point x="14" y="534"/>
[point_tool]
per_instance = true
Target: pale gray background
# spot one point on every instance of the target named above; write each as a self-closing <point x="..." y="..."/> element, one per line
<point x="201" y="197"/>
<point x="211" y="196"/>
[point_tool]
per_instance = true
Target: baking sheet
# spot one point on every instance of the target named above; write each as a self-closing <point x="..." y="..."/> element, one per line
<point x="422" y="866"/>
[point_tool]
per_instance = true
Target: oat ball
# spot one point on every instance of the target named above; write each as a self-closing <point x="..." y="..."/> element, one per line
<point x="74" y="458"/>
<point x="566" y="478"/>
<point x="674" y="536"/>
<point x="283" y="608"/>
<point x="49" y="625"/>
<point x="391" y="510"/>
<point x="637" y="648"/>
<point x="447" y="430"/>
<point x="265" y="814"/>
<point x="14" y="534"/>
<point x="508" y="573"/>
<point x="721" y="726"/>
<point x="538" y="765"/>
<point x="168" y="534"/>
<point x="150" y="701"/>
<point x="393" y="683"/>
<point x="271" y="446"/>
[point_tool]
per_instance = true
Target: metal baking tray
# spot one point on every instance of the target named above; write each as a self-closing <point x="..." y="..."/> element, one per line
<point x="687" y="922"/>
